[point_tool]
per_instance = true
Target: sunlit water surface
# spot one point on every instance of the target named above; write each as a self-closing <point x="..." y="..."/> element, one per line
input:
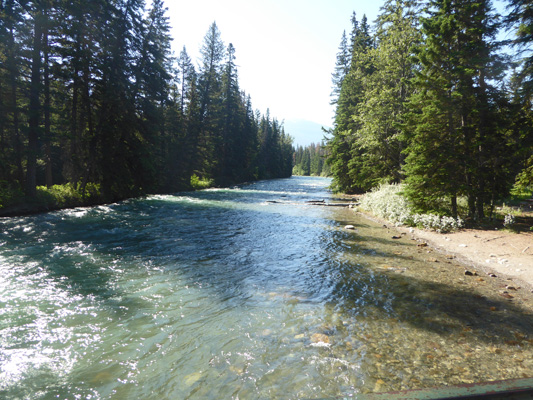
<point x="242" y="293"/>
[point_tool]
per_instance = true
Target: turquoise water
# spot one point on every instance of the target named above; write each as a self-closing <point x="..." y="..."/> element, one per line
<point x="240" y="293"/>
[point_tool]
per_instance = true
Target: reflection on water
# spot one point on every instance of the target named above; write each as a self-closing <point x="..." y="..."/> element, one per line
<point x="244" y="293"/>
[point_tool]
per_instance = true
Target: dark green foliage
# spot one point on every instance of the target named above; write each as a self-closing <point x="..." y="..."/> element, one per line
<point x="341" y="150"/>
<point x="426" y="102"/>
<point x="366" y="144"/>
<point x="459" y="145"/>
<point x="521" y="18"/>
<point x="311" y="161"/>
<point x="90" y="97"/>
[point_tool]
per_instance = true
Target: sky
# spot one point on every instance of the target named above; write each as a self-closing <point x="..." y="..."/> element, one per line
<point x="285" y="49"/>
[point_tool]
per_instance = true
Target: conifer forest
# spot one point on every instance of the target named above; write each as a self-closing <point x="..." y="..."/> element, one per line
<point x="436" y="95"/>
<point x="93" y="99"/>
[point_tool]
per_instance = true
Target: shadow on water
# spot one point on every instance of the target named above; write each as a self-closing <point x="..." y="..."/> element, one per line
<point x="434" y="307"/>
<point x="409" y="292"/>
<point x="226" y="267"/>
<point x="278" y="259"/>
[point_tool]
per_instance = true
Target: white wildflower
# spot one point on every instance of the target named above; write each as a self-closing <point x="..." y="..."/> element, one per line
<point x="386" y="202"/>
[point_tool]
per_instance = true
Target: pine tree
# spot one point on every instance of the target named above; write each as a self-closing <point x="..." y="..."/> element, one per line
<point x="342" y="67"/>
<point x="232" y="129"/>
<point x="210" y="86"/>
<point x="521" y="17"/>
<point x="341" y="156"/>
<point x="151" y="92"/>
<point x="452" y="130"/>
<point x="379" y="142"/>
<point x="90" y="96"/>
<point x="38" y="15"/>
<point x="12" y="29"/>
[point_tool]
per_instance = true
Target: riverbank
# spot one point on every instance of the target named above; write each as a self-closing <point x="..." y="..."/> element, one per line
<point x="503" y="253"/>
<point x="498" y="252"/>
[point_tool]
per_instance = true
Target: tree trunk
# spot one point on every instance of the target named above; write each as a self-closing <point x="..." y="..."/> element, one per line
<point x="454" y="206"/>
<point x="34" y="109"/>
<point x="47" y="130"/>
<point x="13" y="72"/>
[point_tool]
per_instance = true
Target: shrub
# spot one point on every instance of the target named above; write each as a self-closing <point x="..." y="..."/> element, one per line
<point x="68" y="195"/>
<point x="59" y="196"/>
<point x="508" y="220"/>
<point x="199" y="183"/>
<point x="387" y="201"/>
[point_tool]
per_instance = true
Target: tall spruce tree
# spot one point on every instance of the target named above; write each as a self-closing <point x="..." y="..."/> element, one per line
<point x="451" y="123"/>
<point x="89" y="97"/>
<point x="12" y="87"/>
<point x="342" y="67"/>
<point x="378" y="144"/>
<point x="210" y="87"/>
<point x="233" y="119"/>
<point x="521" y="18"/>
<point x="341" y="157"/>
<point x="152" y="93"/>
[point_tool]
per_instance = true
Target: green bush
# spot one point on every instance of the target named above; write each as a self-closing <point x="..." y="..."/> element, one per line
<point x="59" y="196"/>
<point x="199" y="183"/>
<point x="68" y="195"/>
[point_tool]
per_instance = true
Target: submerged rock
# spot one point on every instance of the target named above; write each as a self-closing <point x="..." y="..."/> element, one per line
<point x="320" y="338"/>
<point x="191" y="379"/>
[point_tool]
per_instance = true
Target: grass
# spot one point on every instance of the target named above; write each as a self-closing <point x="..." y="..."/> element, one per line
<point x="13" y="201"/>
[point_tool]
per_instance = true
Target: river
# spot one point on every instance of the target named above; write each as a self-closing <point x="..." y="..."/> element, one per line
<point x="241" y="293"/>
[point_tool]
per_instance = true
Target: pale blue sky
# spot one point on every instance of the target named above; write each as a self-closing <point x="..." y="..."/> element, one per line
<point x="285" y="49"/>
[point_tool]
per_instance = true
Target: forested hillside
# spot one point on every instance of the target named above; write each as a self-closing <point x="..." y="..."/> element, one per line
<point x="91" y="97"/>
<point x="428" y="97"/>
<point x="311" y="160"/>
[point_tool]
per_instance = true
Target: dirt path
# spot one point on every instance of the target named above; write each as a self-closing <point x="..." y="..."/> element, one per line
<point x="502" y="253"/>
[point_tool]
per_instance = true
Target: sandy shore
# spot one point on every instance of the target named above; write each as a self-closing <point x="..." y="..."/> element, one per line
<point x="502" y="253"/>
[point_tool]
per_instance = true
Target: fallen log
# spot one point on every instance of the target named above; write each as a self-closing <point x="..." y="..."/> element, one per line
<point x="320" y="203"/>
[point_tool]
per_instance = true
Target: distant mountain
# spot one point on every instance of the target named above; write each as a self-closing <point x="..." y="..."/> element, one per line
<point x="304" y="132"/>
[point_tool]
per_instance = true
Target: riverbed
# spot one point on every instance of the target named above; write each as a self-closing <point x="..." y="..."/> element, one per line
<point x="247" y="292"/>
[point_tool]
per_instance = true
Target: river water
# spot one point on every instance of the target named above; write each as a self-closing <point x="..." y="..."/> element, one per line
<point x="242" y="293"/>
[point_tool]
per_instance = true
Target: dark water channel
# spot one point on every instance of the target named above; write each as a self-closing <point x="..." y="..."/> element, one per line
<point x="242" y="293"/>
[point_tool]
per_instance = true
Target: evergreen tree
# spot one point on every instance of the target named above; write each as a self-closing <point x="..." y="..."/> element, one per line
<point x="341" y="157"/>
<point x="89" y="96"/>
<point x="12" y="30"/>
<point x="378" y="145"/>
<point x="521" y="17"/>
<point x="152" y="93"/>
<point x="342" y="67"/>
<point x="453" y="130"/>
<point x="210" y="87"/>
<point x="310" y="161"/>
<point x="232" y="129"/>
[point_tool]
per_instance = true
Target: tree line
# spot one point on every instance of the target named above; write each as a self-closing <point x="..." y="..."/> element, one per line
<point x="91" y="95"/>
<point x="311" y="160"/>
<point x="428" y="97"/>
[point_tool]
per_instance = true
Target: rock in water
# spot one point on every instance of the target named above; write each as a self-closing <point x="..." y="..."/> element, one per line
<point x="320" y="338"/>
<point x="191" y="379"/>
